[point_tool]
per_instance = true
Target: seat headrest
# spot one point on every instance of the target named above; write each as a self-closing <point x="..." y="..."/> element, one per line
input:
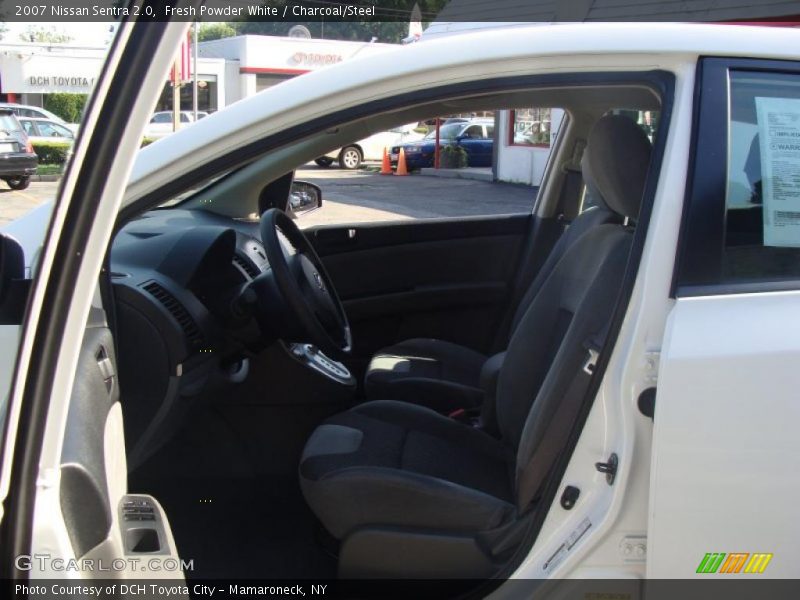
<point x="615" y="164"/>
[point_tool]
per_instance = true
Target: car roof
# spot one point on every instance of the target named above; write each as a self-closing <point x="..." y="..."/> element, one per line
<point x="519" y="51"/>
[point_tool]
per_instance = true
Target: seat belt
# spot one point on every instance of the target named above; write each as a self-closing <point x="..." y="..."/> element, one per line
<point x="541" y="461"/>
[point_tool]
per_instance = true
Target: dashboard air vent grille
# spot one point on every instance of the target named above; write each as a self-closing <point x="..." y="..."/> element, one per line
<point x="246" y="266"/>
<point x="177" y="310"/>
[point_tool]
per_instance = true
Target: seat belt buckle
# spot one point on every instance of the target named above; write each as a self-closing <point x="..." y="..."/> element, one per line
<point x="591" y="361"/>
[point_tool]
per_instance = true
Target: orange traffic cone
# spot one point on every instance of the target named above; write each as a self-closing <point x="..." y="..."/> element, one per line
<point x="401" y="163"/>
<point x="386" y="165"/>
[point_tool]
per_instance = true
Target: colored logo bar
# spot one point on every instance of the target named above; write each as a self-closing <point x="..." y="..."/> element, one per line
<point x="735" y="562"/>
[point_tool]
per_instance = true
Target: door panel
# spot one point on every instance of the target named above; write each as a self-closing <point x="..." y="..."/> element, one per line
<point x="479" y="151"/>
<point x="725" y="450"/>
<point x="93" y="485"/>
<point x="448" y="279"/>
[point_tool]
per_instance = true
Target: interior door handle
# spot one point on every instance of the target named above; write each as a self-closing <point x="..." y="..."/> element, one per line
<point x="106" y="368"/>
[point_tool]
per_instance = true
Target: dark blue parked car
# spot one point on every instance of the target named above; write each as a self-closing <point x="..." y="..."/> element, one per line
<point x="475" y="136"/>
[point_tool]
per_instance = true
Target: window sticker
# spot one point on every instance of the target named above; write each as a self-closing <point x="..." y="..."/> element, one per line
<point x="779" y="141"/>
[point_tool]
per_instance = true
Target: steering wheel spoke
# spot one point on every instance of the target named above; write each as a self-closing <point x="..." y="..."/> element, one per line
<point x="297" y="299"/>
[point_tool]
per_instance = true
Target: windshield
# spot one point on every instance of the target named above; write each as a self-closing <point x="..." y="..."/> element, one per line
<point x="446" y="132"/>
<point x="8" y="123"/>
<point x="195" y="189"/>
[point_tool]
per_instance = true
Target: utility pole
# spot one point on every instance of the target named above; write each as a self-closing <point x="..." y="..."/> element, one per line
<point x="176" y="95"/>
<point x="194" y="71"/>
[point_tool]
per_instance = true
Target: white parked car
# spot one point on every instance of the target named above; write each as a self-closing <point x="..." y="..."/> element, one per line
<point x="161" y="122"/>
<point x="37" y="112"/>
<point x="371" y="148"/>
<point x="46" y="130"/>
<point x="610" y="401"/>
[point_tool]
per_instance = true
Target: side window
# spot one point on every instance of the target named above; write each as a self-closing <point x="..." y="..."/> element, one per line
<point x="474" y="132"/>
<point x="185" y="118"/>
<point x="741" y="225"/>
<point x="49" y="129"/>
<point x="488" y="181"/>
<point x="762" y="196"/>
<point x="28" y="127"/>
<point x="162" y="118"/>
<point x="62" y="131"/>
<point x="532" y="126"/>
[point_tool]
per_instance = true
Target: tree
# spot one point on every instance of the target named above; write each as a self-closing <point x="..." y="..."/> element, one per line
<point x="67" y="106"/>
<point x="215" y="31"/>
<point x="45" y="36"/>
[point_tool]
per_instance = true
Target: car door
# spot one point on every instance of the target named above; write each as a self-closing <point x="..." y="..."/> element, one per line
<point x="726" y="454"/>
<point x="53" y="132"/>
<point x="64" y="478"/>
<point x="473" y="140"/>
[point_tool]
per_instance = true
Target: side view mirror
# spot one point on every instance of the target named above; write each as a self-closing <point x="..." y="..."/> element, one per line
<point x="304" y="197"/>
<point x="13" y="286"/>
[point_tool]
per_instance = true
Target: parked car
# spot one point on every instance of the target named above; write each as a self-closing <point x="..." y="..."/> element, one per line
<point x="601" y="395"/>
<point x="371" y="148"/>
<point x="161" y="122"/>
<point x="46" y="130"/>
<point x="475" y="136"/>
<point x="18" y="161"/>
<point x="37" y="112"/>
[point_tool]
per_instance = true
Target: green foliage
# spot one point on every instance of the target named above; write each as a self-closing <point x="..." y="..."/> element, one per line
<point x="453" y="157"/>
<point x="67" y="106"/>
<point x="146" y="141"/>
<point x="52" y="153"/>
<point x="215" y="31"/>
<point x="46" y="36"/>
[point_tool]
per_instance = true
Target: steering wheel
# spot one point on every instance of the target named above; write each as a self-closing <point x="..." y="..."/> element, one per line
<point x="295" y="297"/>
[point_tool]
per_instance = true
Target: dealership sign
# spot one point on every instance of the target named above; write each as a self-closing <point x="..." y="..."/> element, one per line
<point x="46" y="74"/>
<point x="58" y="81"/>
<point x="315" y="59"/>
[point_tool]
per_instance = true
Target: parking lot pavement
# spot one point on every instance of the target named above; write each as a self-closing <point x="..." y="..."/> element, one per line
<point x="14" y="204"/>
<point x="355" y="196"/>
<point x="358" y="196"/>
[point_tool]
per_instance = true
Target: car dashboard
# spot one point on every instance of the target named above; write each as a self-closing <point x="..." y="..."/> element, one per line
<point x="175" y="277"/>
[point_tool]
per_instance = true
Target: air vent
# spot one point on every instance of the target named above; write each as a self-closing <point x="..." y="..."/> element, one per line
<point x="246" y="266"/>
<point x="177" y="310"/>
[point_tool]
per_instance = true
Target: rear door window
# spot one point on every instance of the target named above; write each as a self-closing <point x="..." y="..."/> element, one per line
<point x="762" y="199"/>
<point x="741" y="229"/>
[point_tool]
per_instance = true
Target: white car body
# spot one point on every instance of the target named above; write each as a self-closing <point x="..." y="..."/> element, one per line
<point x="715" y="471"/>
<point x="46" y="130"/>
<point x="372" y="147"/>
<point x="37" y="112"/>
<point x="161" y="122"/>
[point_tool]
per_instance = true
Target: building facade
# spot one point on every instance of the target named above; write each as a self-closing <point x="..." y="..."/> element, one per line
<point x="228" y="69"/>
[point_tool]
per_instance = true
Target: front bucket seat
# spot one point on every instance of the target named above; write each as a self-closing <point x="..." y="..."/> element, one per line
<point x="412" y="493"/>
<point x="445" y="376"/>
